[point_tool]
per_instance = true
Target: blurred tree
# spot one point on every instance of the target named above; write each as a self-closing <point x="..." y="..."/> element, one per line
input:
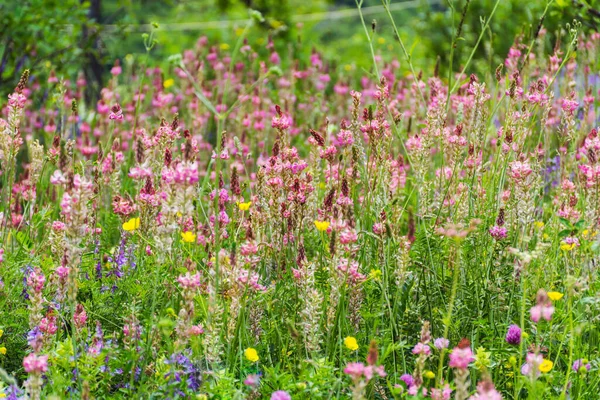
<point x="43" y="35"/>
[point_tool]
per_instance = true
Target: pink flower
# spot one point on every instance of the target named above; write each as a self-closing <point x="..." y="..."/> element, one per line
<point x="35" y="364"/>
<point x="196" y="330"/>
<point x="519" y="170"/>
<point x="355" y="369"/>
<point x="252" y="380"/>
<point x="543" y="308"/>
<point x="116" y="113"/>
<point x="421" y="348"/>
<point x="498" y="232"/>
<point x="461" y="357"/>
<point x="189" y="281"/>
<point x="80" y="316"/>
<point x="486" y="391"/>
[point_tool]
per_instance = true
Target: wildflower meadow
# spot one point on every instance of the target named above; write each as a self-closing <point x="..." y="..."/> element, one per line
<point x="244" y="221"/>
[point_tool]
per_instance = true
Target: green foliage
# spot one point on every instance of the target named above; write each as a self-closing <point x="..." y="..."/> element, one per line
<point x="44" y="36"/>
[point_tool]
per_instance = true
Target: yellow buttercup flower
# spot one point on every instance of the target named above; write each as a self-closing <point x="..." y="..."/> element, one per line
<point x="1" y="332"/>
<point x="168" y="83"/>
<point x="131" y="225"/>
<point x="538" y="224"/>
<point x="188" y="237"/>
<point x="429" y="374"/>
<point x="567" y="246"/>
<point x="546" y="366"/>
<point x="351" y="343"/>
<point x="322" y="225"/>
<point x="555" y="296"/>
<point x="224" y="46"/>
<point x="381" y="40"/>
<point x="244" y="206"/>
<point x="251" y="354"/>
<point x="3" y="350"/>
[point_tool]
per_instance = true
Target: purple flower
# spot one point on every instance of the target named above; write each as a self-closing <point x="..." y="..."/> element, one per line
<point x="441" y="343"/>
<point x="281" y="395"/>
<point x="579" y="364"/>
<point x="252" y="380"/>
<point x="513" y="336"/>
<point x="498" y="232"/>
<point x="408" y="379"/>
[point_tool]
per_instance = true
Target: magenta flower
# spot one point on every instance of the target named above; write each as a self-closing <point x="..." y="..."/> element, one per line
<point x="513" y="336"/>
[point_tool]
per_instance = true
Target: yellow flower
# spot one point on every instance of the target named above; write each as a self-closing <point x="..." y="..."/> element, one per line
<point x="168" y="83"/>
<point x="567" y="246"/>
<point x="188" y="237"/>
<point x="351" y="343"/>
<point x="224" y="46"/>
<point x="131" y="225"/>
<point x="348" y="67"/>
<point x="539" y="224"/>
<point x="1" y="332"/>
<point x="429" y="374"/>
<point x="2" y="395"/>
<point x="2" y="350"/>
<point x="381" y="40"/>
<point x="251" y="354"/>
<point x="555" y="296"/>
<point x="244" y="206"/>
<point x="546" y="366"/>
<point x="171" y="312"/>
<point x="375" y="274"/>
<point x="322" y="225"/>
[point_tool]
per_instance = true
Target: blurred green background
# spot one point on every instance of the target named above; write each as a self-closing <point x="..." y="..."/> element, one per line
<point x="73" y="36"/>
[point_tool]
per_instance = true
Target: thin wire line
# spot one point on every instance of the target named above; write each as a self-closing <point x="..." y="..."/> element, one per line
<point x="329" y="15"/>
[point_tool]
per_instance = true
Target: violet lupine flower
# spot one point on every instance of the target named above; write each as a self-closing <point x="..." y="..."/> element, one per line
<point x="513" y="336"/>
<point x="35" y="339"/>
<point x="579" y="364"/>
<point x="281" y="395"/>
<point x="441" y="343"/>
